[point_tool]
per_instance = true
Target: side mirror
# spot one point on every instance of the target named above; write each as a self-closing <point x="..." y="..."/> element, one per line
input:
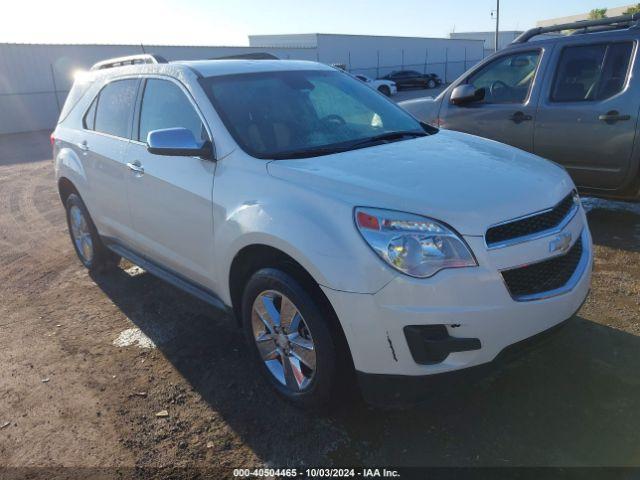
<point x="178" y="142"/>
<point x="464" y="94"/>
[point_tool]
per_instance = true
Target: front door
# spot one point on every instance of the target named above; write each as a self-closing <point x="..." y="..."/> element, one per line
<point x="171" y="197"/>
<point x="588" y="113"/>
<point x="508" y="110"/>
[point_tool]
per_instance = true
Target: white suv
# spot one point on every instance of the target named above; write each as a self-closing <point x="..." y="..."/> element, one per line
<point x="347" y="239"/>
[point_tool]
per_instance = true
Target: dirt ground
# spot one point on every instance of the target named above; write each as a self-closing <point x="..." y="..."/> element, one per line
<point x="70" y="397"/>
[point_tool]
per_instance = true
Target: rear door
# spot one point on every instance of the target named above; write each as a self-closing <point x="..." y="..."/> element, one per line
<point x="509" y="107"/>
<point x="588" y="111"/>
<point x="171" y="197"/>
<point x="102" y="147"/>
<point x="416" y="79"/>
<point x="401" y="78"/>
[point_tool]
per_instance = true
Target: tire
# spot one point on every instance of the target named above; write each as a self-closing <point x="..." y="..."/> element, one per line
<point x="431" y="83"/>
<point x="85" y="239"/>
<point x="384" y="90"/>
<point x="307" y="384"/>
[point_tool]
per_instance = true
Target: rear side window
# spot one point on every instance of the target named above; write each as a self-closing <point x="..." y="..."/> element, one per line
<point x="79" y="88"/>
<point x="115" y="107"/>
<point x="591" y="72"/>
<point x="164" y="105"/>
<point x="89" y="120"/>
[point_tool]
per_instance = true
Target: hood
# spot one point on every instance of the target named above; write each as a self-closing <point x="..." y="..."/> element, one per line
<point x="425" y="109"/>
<point x="465" y="181"/>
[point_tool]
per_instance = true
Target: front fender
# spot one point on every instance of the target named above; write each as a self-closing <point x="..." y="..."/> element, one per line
<point x="318" y="233"/>
<point x="424" y="109"/>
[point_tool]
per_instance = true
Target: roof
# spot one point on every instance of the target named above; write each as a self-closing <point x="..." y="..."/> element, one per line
<point x="546" y="39"/>
<point x="209" y="68"/>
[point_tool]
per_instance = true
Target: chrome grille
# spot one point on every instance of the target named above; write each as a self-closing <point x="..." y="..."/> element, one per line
<point x="517" y="230"/>
<point x="544" y="276"/>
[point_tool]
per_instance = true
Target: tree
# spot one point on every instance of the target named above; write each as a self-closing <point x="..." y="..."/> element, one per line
<point x="598" y="13"/>
<point x="632" y="10"/>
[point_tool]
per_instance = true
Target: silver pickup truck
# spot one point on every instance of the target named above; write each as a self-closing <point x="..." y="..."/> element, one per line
<point x="572" y="98"/>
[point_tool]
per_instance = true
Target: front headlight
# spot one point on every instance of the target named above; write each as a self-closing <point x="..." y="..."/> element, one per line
<point x="415" y="245"/>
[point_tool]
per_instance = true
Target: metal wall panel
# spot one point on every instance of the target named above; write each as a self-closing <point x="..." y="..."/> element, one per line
<point x="35" y="79"/>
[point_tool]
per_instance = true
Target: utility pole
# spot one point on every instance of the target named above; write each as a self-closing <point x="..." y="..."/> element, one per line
<point x="497" y="22"/>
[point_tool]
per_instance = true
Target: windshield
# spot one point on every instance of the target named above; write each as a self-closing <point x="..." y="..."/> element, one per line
<point x="291" y="114"/>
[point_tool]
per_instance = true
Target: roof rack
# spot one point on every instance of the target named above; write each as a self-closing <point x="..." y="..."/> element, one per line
<point x="583" y="26"/>
<point x="129" y="60"/>
<point x="248" y="56"/>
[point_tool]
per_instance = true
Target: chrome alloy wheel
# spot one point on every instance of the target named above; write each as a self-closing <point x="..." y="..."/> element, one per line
<point x="283" y="340"/>
<point x="81" y="233"/>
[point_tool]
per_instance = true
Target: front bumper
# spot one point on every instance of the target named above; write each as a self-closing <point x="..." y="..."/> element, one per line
<point x="405" y="390"/>
<point x="471" y="303"/>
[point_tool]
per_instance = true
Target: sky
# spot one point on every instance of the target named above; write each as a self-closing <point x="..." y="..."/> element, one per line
<point x="217" y="22"/>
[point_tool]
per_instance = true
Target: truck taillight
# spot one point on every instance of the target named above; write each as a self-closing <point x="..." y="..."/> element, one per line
<point x="52" y="139"/>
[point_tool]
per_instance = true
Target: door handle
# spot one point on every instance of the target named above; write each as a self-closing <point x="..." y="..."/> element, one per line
<point x="136" y="167"/>
<point x="83" y="146"/>
<point x="614" y="116"/>
<point x="520" y="117"/>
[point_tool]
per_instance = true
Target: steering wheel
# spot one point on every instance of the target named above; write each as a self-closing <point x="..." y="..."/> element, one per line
<point x="498" y="86"/>
<point x="333" y="119"/>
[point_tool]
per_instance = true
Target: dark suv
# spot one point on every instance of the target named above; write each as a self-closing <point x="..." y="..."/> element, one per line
<point x="572" y="98"/>
<point x="413" y="79"/>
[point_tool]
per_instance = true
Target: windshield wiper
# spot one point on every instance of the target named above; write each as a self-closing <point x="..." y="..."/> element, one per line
<point x="310" y="152"/>
<point x="319" y="151"/>
<point x="387" y="137"/>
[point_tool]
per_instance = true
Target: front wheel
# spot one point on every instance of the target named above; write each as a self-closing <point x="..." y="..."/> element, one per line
<point x="290" y="338"/>
<point x="431" y="83"/>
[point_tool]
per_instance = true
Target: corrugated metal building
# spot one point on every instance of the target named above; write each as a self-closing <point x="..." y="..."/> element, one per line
<point x="505" y="37"/>
<point x="35" y="78"/>
<point x="375" y="55"/>
<point x="611" y="12"/>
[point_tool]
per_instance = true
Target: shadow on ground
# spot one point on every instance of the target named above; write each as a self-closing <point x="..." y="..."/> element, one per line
<point x="575" y="400"/>
<point x="614" y="224"/>
<point x="26" y="147"/>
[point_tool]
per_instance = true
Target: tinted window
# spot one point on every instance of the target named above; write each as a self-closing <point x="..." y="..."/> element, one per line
<point x="164" y="105"/>
<point x="115" y="105"/>
<point x="89" y="121"/>
<point x="79" y="88"/>
<point x="507" y="79"/>
<point x="591" y="72"/>
<point x="276" y="113"/>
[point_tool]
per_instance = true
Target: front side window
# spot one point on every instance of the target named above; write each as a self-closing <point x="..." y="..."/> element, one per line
<point x="115" y="107"/>
<point x="507" y="79"/>
<point x="591" y="72"/>
<point x="164" y="105"/>
<point x="274" y="114"/>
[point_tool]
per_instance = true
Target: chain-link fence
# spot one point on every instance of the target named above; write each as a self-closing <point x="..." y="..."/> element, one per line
<point x="446" y="67"/>
<point x="447" y="71"/>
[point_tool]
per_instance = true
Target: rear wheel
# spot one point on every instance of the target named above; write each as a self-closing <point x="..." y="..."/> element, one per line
<point x="431" y="83"/>
<point x="290" y="338"/>
<point x="84" y="236"/>
<point x="385" y="90"/>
